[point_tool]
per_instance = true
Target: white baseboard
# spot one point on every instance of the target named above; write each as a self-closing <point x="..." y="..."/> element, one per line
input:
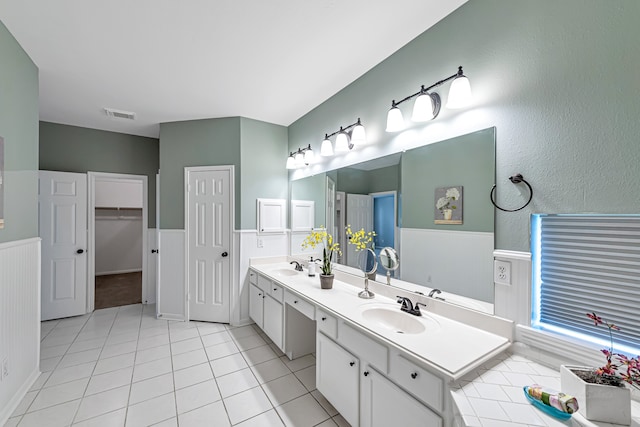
<point x="11" y="406"/>
<point x="107" y="273"/>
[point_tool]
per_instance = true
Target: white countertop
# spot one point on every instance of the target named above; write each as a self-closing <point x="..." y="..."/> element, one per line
<point x="450" y="347"/>
<point x="493" y="396"/>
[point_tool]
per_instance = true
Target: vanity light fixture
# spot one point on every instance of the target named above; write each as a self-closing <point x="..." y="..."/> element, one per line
<point x="347" y="138"/>
<point x="427" y="104"/>
<point x="300" y="158"/>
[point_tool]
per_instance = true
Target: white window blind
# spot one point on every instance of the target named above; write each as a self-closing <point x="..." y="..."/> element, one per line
<point x="584" y="264"/>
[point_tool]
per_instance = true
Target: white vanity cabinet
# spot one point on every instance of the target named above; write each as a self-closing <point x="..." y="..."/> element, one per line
<point x="265" y="307"/>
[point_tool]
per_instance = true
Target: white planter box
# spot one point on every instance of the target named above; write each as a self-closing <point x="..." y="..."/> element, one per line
<point x="597" y="402"/>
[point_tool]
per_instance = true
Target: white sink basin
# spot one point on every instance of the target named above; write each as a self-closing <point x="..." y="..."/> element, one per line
<point x="284" y="272"/>
<point x="394" y="320"/>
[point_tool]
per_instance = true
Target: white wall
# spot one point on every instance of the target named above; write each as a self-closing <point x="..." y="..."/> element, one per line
<point x="118" y="243"/>
<point x="19" y="321"/>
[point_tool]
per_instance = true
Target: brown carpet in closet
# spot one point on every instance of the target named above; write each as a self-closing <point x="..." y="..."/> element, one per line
<point x="114" y="290"/>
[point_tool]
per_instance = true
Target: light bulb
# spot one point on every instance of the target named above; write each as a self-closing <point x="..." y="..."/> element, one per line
<point x="342" y="143"/>
<point x="309" y="155"/>
<point x="326" y="149"/>
<point x="299" y="159"/>
<point x="423" y="108"/>
<point x="459" y="92"/>
<point x="358" y="136"/>
<point x="291" y="163"/>
<point x="395" y="122"/>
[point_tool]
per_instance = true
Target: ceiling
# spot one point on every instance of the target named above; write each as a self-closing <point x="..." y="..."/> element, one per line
<point x="192" y="59"/>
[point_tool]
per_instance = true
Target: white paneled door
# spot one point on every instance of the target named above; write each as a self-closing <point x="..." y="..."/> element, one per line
<point x="63" y="229"/>
<point x="359" y="215"/>
<point x="209" y="223"/>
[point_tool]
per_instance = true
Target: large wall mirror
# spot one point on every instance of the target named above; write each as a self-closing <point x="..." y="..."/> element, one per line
<point x="404" y="198"/>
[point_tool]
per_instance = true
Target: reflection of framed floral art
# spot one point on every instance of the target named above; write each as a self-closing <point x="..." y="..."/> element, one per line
<point x="1" y="182"/>
<point x="448" y="205"/>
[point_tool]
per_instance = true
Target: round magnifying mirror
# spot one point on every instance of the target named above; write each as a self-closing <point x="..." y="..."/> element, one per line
<point x="368" y="264"/>
<point x="389" y="261"/>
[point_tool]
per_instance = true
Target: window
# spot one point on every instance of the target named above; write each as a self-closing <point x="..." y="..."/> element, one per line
<point x="583" y="264"/>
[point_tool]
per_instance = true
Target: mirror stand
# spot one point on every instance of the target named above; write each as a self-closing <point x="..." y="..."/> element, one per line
<point x="366" y="293"/>
<point x="368" y="264"/>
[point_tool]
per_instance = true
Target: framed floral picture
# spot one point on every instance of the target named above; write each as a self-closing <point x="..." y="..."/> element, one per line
<point x="448" y="205"/>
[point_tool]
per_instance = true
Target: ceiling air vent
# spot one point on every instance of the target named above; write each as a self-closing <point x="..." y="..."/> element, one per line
<point x="119" y="114"/>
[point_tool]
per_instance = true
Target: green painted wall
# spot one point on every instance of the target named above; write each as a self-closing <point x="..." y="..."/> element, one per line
<point x="557" y="81"/>
<point x="76" y="149"/>
<point x="263" y="175"/>
<point x="312" y="188"/>
<point x="210" y="142"/>
<point x="454" y="162"/>
<point x="19" y="128"/>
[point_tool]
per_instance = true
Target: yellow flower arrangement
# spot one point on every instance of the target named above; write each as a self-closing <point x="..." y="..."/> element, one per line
<point x="361" y="239"/>
<point x="329" y="247"/>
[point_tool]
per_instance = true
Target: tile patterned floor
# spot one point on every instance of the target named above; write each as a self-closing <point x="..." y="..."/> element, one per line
<point x="123" y="367"/>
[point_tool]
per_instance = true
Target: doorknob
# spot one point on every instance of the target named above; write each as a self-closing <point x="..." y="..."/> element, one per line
<point x="224" y="254"/>
<point x="80" y="251"/>
<point x="154" y="251"/>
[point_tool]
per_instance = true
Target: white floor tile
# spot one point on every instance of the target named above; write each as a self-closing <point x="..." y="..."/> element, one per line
<point x="114" y="363"/>
<point x="155" y="341"/>
<point x="50" y="341"/>
<point x="215" y="338"/>
<point x="213" y="414"/>
<point x="109" y="380"/>
<point x="340" y="421"/>
<point x="55" y="350"/>
<point x="284" y="389"/>
<point x="252" y="341"/>
<point x="270" y="370"/>
<point x="112" y="350"/>
<point x="328" y="423"/>
<point x="192" y="375"/>
<point x="210" y="328"/>
<point x="324" y="403"/>
<point x="13" y="422"/>
<point x="247" y="404"/>
<point x="153" y="387"/>
<point x="259" y="354"/>
<point x="59" y="394"/>
<point x="186" y="346"/>
<point x="101" y="403"/>
<point x="242" y="332"/>
<point x="151" y="411"/>
<point x="111" y="419"/>
<point x="56" y="416"/>
<point x="79" y="346"/>
<point x="171" y="422"/>
<point x="42" y="379"/>
<point x="152" y="369"/>
<point x="224" y="349"/>
<point x="24" y="404"/>
<point x="176" y="335"/>
<point x="184" y="360"/>
<point x="227" y="365"/>
<point x="236" y="382"/>
<point x="49" y="364"/>
<point x="119" y="338"/>
<point x="195" y="396"/>
<point x="153" y="353"/>
<point x="72" y="373"/>
<point x="307" y="377"/>
<point x="266" y="419"/>
<point x="74" y="359"/>
<point x="304" y="411"/>
<point x="299" y="363"/>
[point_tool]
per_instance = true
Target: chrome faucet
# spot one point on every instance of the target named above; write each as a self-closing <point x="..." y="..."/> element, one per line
<point x="434" y="291"/>
<point x="298" y="265"/>
<point x="407" y="306"/>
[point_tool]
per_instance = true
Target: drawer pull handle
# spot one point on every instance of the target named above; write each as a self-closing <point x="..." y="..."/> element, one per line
<point x="275" y="289"/>
<point x="262" y="296"/>
<point x="414" y="375"/>
<point x="352" y="363"/>
<point x="324" y="318"/>
<point x="259" y="295"/>
<point x="295" y="302"/>
<point x="366" y="373"/>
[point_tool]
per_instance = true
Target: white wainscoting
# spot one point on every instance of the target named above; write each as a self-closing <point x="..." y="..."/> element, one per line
<point x="513" y="301"/>
<point x="453" y="260"/>
<point x="19" y="320"/>
<point x="149" y="294"/>
<point x="171" y="295"/>
<point x="271" y="246"/>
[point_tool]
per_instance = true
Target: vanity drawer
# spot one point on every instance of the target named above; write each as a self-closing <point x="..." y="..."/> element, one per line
<point x="366" y="348"/>
<point x="264" y="283"/>
<point x="327" y="324"/>
<point x="253" y="277"/>
<point x="301" y="305"/>
<point x="276" y="292"/>
<point x="421" y="383"/>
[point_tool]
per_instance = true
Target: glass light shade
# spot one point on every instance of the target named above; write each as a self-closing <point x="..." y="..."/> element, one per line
<point x="459" y="93"/>
<point x="326" y="149"/>
<point x="423" y="108"/>
<point x="291" y="163"/>
<point x="342" y="143"/>
<point x="299" y="159"/>
<point x="309" y="156"/>
<point x="395" y="122"/>
<point x="358" y="136"/>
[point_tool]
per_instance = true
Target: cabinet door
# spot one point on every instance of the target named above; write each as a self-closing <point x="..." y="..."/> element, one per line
<point x="273" y="320"/>
<point x="384" y="404"/>
<point x="338" y="378"/>
<point x="256" y="298"/>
